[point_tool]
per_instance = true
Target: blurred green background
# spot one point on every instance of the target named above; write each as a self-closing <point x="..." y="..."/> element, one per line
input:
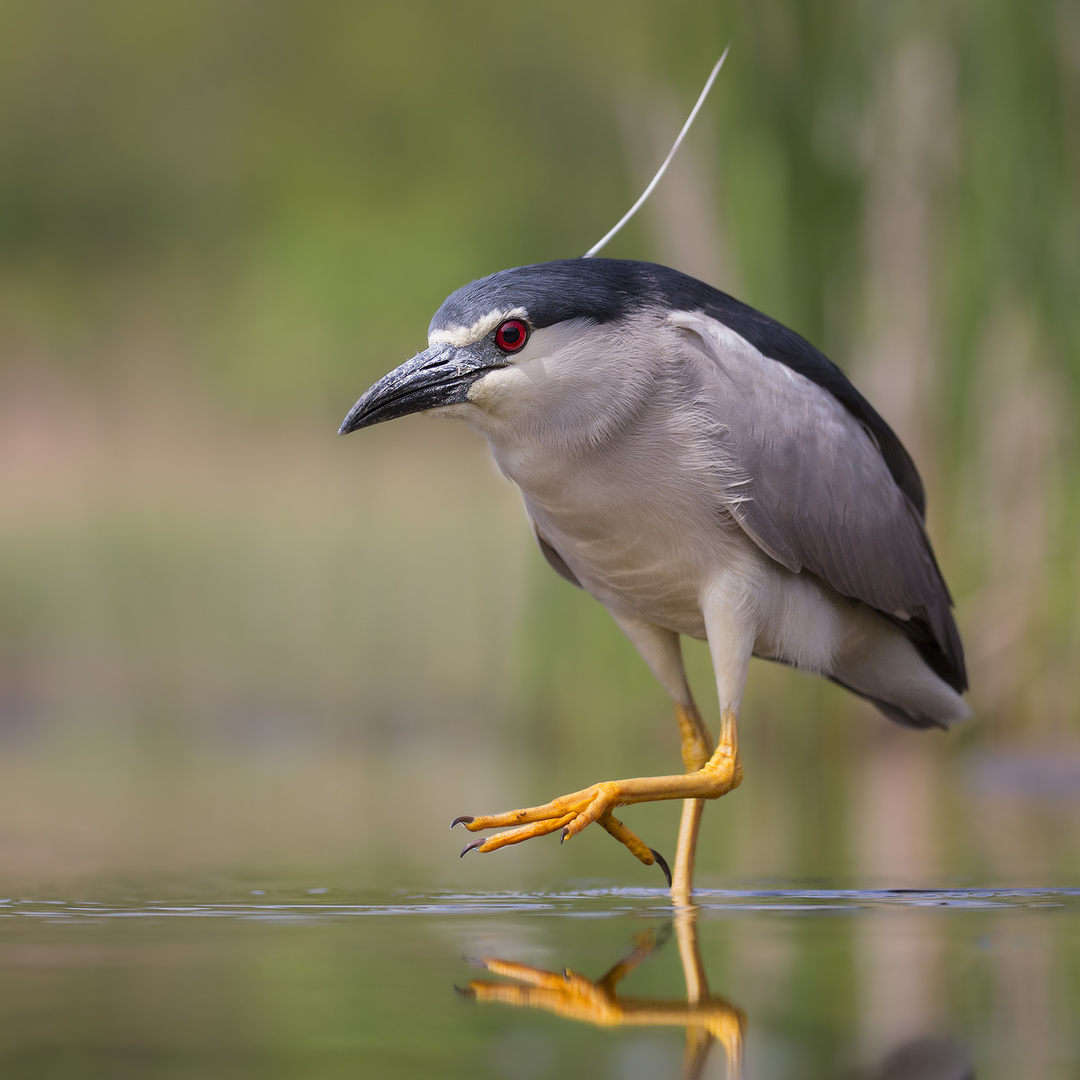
<point x="233" y="647"/>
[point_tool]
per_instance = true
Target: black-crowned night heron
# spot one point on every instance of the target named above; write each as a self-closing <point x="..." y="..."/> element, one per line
<point x="699" y="469"/>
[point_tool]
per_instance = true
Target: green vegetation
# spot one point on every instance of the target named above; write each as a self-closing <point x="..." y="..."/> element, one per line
<point x="229" y="643"/>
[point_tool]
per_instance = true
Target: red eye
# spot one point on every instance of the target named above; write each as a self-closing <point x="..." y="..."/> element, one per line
<point x="511" y="335"/>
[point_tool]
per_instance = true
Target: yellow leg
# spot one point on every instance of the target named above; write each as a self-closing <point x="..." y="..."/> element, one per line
<point x="695" y="752"/>
<point x="695" y="737"/>
<point x="683" y="879"/>
<point x="682" y="882"/>
<point x="571" y="813"/>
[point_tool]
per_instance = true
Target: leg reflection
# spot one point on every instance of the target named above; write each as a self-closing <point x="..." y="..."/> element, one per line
<point x="707" y="1019"/>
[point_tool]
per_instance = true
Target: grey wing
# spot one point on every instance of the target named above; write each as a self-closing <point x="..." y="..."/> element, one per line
<point x="555" y="560"/>
<point x="816" y="493"/>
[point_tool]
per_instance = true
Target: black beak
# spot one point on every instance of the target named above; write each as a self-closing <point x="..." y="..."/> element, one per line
<point x="438" y="376"/>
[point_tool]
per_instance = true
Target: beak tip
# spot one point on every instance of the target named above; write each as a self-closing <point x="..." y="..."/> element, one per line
<point x="351" y="422"/>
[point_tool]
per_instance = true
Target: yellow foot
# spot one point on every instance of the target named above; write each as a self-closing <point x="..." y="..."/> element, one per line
<point x="572" y="813"/>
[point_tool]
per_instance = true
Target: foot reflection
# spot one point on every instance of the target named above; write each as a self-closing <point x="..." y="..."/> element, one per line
<point x="707" y="1019"/>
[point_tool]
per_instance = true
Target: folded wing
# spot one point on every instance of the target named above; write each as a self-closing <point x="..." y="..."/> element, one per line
<point x="818" y="494"/>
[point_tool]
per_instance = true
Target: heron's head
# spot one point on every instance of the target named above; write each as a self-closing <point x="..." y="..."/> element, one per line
<point x="556" y="345"/>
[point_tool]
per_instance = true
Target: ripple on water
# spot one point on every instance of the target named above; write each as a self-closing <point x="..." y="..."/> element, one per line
<point x="584" y="903"/>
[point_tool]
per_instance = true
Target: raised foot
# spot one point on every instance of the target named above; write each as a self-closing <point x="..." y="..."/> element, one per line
<point x="572" y="813"/>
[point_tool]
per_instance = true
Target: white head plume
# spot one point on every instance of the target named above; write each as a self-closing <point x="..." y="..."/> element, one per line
<point x="667" y="161"/>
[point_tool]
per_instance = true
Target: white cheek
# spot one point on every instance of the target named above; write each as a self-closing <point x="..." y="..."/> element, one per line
<point x="452" y="412"/>
<point x="497" y="389"/>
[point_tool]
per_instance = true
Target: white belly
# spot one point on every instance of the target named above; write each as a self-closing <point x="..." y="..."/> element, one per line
<point x="641" y="548"/>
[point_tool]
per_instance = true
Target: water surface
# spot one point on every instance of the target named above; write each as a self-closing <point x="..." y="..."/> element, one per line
<point x="791" y="983"/>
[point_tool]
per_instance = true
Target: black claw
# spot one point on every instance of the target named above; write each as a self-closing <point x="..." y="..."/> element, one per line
<point x="464" y="991"/>
<point x="473" y="962"/>
<point x="663" y="865"/>
<point x="470" y="847"/>
<point x="565" y="834"/>
<point x="465" y="819"/>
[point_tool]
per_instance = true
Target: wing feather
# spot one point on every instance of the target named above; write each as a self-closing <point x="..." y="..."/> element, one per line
<point x="821" y="497"/>
<point x="555" y="560"/>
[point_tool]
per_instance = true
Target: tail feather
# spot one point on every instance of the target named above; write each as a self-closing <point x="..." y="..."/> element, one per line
<point x="906" y="716"/>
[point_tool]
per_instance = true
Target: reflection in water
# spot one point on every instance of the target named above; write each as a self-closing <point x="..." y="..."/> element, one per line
<point x="219" y="988"/>
<point x="707" y="1019"/>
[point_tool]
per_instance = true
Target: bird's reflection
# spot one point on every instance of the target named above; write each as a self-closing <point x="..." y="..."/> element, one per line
<point x="708" y="1019"/>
